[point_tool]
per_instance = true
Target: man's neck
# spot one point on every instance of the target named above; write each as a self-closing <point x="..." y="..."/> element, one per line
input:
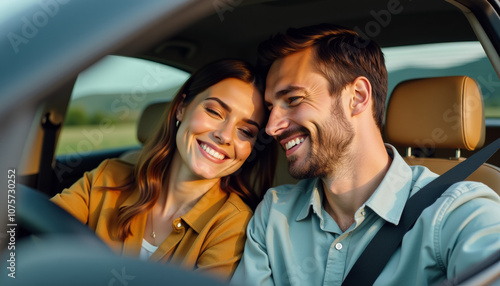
<point x="347" y="190"/>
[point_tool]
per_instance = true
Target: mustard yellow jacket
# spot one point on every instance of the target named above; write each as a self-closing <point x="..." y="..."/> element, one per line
<point x="209" y="238"/>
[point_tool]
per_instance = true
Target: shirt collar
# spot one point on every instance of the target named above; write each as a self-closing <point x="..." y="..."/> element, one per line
<point x="387" y="201"/>
<point x="314" y="200"/>
<point x="391" y="195"/>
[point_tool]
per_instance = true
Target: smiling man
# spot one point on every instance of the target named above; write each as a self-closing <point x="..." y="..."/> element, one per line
<point x="326" y="92"/>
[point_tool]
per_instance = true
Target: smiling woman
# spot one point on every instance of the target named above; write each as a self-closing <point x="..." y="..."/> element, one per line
<point x="190" y="196"/>
<point x="46" y="44"/>
<point x="237" y="119"/>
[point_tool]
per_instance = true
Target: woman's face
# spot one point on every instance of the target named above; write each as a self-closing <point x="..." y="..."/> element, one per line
<point x="219" y="128"/>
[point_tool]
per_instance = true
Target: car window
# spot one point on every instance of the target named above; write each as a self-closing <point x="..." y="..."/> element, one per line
<point x="446" y="59"/>
<point x="107" y="101"/>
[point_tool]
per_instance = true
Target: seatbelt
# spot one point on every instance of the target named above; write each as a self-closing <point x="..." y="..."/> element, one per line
<point x="45" y="171"/>
<point x="383" y="245"/>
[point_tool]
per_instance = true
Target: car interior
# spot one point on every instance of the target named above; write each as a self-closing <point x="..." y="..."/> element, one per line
<point x="436" y="116"/>
<point x="405" y="127"/>
<point x="234" y="29"/>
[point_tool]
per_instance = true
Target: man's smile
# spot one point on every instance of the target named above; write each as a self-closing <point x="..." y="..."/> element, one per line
<point x="294" y="142"/>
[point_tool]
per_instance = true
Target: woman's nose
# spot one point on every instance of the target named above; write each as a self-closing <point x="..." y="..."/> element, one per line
<point x="224" y="133"/>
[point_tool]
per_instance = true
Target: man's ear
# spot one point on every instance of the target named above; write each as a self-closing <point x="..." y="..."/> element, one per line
<point x="179" y="113"/>
<point x="361" y="96"/>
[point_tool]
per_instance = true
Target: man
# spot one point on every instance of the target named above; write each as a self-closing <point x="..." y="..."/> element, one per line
<point x="326" y="89"/>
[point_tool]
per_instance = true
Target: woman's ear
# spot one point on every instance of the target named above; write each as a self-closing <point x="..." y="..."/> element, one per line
<point x="361" y="98"/>
<point x="179" y="113"/>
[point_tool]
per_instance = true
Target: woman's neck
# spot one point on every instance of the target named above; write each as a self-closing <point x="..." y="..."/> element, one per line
<point x="182" y="190"/>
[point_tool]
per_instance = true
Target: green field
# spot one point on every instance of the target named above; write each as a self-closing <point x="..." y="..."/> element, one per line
<point x="87" y="138"/>
<point x="492" y="112"/>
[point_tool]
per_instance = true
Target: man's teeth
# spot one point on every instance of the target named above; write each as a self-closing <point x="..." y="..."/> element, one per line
<point x="212" y="153"/>
<point x="293" y="142"/>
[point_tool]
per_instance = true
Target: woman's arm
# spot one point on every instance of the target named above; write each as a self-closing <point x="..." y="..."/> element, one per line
<point x="76" y="198"/>
<point x="225" y="246"/>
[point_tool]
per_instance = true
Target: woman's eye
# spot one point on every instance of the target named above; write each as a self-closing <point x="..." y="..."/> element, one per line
<point x="213" y="111"/>
<point x="248" y="133"/>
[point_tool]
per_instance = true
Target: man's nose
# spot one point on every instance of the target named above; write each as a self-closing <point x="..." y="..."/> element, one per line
<point x="277" y="123"/>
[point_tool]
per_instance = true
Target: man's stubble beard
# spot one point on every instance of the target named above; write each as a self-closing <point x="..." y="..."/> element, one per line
<point x="328" y="153"/>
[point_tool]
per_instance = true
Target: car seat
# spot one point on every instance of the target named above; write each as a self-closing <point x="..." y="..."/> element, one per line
<point x="146" y="126"/>
<point x="441" y="112"/>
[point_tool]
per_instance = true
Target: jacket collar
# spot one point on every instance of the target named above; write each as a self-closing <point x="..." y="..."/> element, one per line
<point x="196" y="218"/>
<point x="206" y="208"/>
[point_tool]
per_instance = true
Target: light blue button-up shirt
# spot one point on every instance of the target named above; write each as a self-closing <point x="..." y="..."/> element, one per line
<point x="292" y="240"/>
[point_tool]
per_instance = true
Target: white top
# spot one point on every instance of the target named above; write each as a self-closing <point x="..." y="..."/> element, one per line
<point x="147" y="250"/>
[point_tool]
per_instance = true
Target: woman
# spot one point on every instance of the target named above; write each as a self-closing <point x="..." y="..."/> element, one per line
<point x="190" y="196"/>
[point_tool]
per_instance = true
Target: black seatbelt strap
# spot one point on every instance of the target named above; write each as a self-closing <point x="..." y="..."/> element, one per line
<point x="383" y="245"/>
<point x="45" y="171"/>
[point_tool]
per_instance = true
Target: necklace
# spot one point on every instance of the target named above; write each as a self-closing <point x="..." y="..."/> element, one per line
<point x="153" y="234"/>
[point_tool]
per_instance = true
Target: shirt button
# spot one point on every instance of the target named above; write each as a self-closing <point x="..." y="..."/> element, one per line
<point x="179" y="224"/>
<point x="338" y="246"/>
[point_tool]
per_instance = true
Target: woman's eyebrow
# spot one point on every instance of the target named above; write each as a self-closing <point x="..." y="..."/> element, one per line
<point x="222" y="103"/>
<point x="250" y="121"/>
<point x="229" y="109"/>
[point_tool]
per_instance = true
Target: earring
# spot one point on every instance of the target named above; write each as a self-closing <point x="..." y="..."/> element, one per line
<point x="177" y="123"/>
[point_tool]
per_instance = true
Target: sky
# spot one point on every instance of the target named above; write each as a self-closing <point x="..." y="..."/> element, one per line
<point x="442" y="55"/>
<point x="116" y="74"/>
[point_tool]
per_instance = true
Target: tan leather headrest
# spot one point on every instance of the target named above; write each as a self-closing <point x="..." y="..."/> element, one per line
<point x="149" y="120"/>
<point x="442" y="112"/>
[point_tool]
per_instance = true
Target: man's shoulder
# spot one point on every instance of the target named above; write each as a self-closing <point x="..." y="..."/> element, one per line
<point x="290" y="192"/>
<point x="423" y="176"/>
<point x="470" y="189"/>
<point x="459" y="193"/>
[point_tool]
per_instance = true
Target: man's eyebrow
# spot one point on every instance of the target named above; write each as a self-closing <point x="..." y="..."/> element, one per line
<point x="289" y="89"/>
<point x="229" y="109"/>
<point x="285" y="91"/>
<point x="222" y="103"/>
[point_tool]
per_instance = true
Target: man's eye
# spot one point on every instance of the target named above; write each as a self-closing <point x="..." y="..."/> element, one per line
<point x="293" y="100"/>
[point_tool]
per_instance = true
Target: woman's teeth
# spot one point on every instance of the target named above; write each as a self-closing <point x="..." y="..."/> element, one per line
<point x="212" y="153"/>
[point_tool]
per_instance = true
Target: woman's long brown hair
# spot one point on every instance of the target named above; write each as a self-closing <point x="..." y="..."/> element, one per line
<point x="250" y="182"/>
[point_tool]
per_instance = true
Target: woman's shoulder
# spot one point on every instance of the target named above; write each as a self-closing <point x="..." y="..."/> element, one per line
<point x="238" y="202"/>
<point x="114" y="169"/>
<point x="115" y="163"/>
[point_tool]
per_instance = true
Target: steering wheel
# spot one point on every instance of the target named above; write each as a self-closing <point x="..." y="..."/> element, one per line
<point x="36" y="214"/>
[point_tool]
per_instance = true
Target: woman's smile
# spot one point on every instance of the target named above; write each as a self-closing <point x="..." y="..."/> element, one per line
<point x="211" y="152"/>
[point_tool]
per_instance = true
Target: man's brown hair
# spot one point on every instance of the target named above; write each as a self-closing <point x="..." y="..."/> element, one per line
<point x="341" y="55"/>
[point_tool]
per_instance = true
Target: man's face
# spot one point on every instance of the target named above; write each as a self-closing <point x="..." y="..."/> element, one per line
<point x="306" y="120"/>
